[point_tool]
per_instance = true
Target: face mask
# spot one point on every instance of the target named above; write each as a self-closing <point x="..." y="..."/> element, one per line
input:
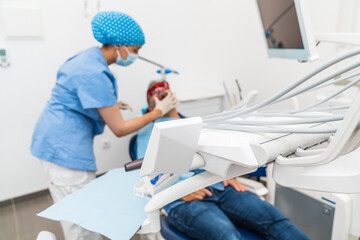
<point x="129" y="60"/>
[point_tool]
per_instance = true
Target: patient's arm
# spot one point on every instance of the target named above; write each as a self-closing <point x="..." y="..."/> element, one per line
<point x="197" y="195"/>
<point x="202" y="193"/>
<point x="235" y="184"/>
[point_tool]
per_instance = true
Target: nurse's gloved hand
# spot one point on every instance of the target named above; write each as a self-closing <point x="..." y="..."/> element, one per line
<point x="124" y="106"/>
<point x="167" y="104"/>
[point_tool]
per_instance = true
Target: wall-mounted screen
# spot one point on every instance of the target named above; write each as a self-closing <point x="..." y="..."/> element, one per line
<point x="287" y="29"/>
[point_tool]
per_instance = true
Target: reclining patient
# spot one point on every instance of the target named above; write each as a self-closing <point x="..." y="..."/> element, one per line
<point x="213" y="212"/>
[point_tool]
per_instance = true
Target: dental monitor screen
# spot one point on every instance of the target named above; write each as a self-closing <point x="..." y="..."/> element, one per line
<point x="287" y="29"/>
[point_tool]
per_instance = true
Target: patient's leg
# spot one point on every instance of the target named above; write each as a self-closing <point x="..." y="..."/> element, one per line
<point x="203" y="220"/>
<point x="247" y="210"/>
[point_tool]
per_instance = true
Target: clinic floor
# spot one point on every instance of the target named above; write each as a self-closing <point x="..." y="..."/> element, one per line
<point x="18" y="220"/>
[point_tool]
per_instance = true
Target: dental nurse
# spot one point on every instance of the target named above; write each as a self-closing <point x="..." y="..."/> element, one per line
<point x="83" y="100"/>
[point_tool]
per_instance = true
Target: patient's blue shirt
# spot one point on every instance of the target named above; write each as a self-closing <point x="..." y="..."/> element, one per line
<point x="141" y="144"/>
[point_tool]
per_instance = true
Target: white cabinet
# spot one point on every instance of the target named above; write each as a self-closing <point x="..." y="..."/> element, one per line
<point x="199" y="102"/>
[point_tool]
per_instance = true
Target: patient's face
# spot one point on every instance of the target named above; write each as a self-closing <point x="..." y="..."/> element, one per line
<point x="160" y="94"/>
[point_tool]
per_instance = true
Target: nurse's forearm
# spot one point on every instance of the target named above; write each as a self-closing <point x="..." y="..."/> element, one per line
<point x="120" y="127"/>
<point x="133" y="125"/>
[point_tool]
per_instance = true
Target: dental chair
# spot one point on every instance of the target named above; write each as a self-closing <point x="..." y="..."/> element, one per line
<point x="239" y="141"/>
<point x="169" y="232"/>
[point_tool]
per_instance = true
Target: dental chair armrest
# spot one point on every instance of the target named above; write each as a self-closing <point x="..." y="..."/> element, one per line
<point x="254" y="186"/>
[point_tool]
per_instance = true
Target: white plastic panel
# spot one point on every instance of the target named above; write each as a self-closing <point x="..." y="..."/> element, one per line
<point x="172" y="146"/>
<point x="337" y="176"/>
<point x="201" y="107"/>
<point x="231" y="145"/>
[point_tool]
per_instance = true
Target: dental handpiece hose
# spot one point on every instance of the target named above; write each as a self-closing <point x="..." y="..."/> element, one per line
<point x="134" y="165"/>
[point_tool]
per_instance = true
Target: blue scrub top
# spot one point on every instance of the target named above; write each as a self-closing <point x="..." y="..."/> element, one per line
<point x="65" y="131"/>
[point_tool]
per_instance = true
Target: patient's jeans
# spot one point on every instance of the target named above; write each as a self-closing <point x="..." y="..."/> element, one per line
<point x="215" y="217"/>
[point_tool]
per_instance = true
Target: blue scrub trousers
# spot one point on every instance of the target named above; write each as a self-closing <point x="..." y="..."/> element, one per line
<point x="215" y="217"/>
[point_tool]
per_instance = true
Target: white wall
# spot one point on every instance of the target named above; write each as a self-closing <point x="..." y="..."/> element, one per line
<point x="229" y="45"/>
<point x="207" y="41"/>
<point x="26" y="85"/>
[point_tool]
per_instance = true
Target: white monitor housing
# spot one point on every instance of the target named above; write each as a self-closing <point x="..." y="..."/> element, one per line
<point x="287" y="29"/>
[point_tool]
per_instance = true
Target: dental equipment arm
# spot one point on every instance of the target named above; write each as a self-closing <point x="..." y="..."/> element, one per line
<point x="222" y="154"/>
<point x="227" y="149"/>
<point x="322" y="83"/>
<point x="163" y="70"/>
<point x="329" y="97"/>
<point x="314" y="168"/>
<point x="243" y="111"/>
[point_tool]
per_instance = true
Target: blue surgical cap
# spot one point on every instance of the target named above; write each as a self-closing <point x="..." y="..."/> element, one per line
<point x="117" y="28"/>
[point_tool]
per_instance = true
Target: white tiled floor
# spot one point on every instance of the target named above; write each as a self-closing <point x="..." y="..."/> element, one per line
<point x="18" y="220"/>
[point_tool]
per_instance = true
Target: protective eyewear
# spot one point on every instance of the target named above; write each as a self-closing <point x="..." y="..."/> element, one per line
<point x="156" y="87"/>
